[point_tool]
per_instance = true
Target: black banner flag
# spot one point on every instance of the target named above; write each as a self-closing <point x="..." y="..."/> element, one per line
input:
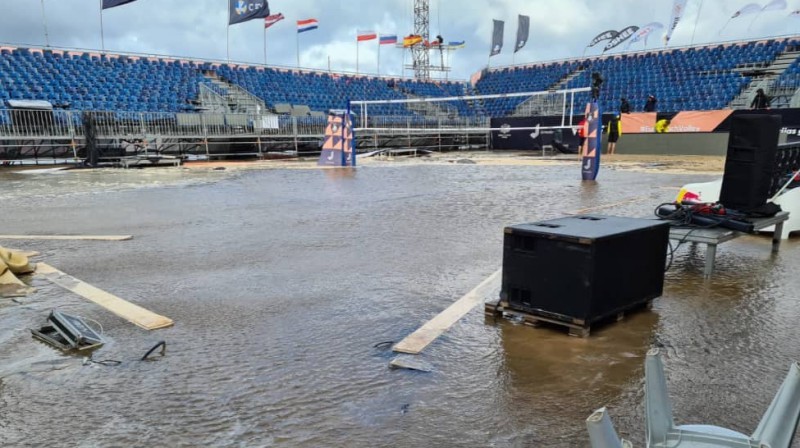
<point x="113" y="3"/>
<point x="497" y="38"/>
<point x="244" y="10"/>
<point x="605" y="35"/>
<point x="623" y="35"/>
<point x="523" y="31"/>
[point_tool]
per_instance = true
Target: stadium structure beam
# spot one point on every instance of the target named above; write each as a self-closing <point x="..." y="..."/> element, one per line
<point x="420" y="53"/>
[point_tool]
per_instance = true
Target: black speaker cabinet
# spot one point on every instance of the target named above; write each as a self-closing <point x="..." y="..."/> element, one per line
<point x="749" y="167"/>
<point x="582" y="269"/>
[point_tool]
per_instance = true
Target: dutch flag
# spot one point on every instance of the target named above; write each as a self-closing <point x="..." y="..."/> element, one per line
<point x="307" y="25"/>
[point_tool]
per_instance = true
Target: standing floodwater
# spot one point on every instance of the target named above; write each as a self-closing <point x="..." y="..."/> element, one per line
<point x="281" y="282"/>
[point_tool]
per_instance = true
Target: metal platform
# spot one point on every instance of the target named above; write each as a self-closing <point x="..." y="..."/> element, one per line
<point x="718" y="235"/>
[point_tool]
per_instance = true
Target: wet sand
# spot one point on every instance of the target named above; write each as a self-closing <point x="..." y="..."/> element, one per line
<point x="282" y="281"/>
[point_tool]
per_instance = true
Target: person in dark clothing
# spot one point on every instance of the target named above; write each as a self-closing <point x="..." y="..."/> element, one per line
<point x="614" y="132"/>
<point x="624" y="106"/>
<point x="761" y="101"/>
<point x="650" y="105"/>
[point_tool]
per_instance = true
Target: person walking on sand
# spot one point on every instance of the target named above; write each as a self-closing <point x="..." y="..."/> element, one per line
<point x="614" y="133"/>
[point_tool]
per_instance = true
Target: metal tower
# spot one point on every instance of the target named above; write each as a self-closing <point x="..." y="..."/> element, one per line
<point x="420" y="54"/>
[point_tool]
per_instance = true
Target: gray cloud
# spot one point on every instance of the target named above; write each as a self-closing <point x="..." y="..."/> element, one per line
<point x="197" y="28"/>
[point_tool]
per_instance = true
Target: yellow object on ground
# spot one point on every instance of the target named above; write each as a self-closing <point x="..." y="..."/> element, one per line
<point x="126" y="310"/>
<point x="13" y="263"/>
<point x="16" y="262"/>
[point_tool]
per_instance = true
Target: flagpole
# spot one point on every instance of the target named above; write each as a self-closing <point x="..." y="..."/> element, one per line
<point x="265" y="44"/>
<point x="379" y="55"/>
<point x="357" y="47"/>
<point x="699" y="10"/>
<point x="228" y="36"/>
<point x="102" y="31"/>
<point x="44" y="23"/>
<point x="298" y="49"/>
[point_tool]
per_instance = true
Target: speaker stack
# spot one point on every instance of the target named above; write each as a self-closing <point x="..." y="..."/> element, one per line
<point x="751" y="161"/>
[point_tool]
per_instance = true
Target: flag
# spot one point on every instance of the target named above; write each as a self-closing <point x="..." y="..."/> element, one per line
<point x="388" y="39"/>
<point x="621" y="37"/>
<point x="795" y="14"/>
<point x="411" y="40"/>
<point x="775" y="5"/>
<point x="497" y="38"/>
<point x="605" y="35"/>
<point x="272" y="20"/>
<point x="645" y="32"/>
<point x="363" y="36"/>
<point x="748" y="9"/>
<point x="678" y="8"/>
<point x="454" y="45"/>
<point x="307" y="25"/>
<point x="523" y="30"/>
<point x="243" y="10"/>
<point x="113" y="3"/>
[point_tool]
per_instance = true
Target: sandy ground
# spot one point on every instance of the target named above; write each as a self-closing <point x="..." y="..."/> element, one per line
<point x="638" y="163"/>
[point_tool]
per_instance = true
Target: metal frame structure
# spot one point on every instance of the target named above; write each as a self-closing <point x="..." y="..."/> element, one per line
<point x="420" y="53"/>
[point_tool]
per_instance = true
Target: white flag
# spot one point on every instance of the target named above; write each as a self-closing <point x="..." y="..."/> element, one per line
<point x="645" y="32"/>
<point x="678" y="8"/>
<point x="775" y="5"/>
<point x="748" y="9"/>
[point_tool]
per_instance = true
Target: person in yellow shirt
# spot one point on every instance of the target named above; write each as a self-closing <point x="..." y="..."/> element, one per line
<point x="662" y="126"/>
<point x="614" y="133"/>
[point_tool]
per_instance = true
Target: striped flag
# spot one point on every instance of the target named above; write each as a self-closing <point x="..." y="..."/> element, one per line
<point x="272" y="20"/>
<point x="389" y="39"/>
<point x="364" y="36"/>
<point x="307" y="25"/>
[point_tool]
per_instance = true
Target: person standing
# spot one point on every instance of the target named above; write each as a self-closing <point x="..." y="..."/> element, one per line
<point x="624" y="106"/>
<point x="761" y="101"/>
<point x="581" y="136"/>
<point x="614" y="133"/>
<point x="650" y="105"/>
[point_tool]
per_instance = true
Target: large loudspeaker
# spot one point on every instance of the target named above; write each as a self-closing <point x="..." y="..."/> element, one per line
<point x="583" y="269"/>
<point x="749" y="167"/>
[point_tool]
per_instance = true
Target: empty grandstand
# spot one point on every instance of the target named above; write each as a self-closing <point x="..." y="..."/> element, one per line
<point x="194" y="103"/>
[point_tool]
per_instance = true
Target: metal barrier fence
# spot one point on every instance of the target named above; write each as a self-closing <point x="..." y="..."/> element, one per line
<point x="50" y="134"/>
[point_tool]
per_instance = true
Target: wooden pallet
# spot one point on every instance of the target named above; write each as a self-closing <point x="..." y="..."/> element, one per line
<point x="576" y="327"/>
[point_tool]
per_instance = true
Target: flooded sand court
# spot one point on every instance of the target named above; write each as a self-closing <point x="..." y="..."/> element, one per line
<point x="282" y="282"/>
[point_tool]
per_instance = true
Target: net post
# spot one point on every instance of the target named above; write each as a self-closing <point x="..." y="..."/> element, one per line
<point x="350" y="122"/>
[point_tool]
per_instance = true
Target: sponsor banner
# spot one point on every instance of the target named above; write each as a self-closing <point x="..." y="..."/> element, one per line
<point x="592" y="147"/>
<point x="337" y="146"/>
<point x="698" y="121"/>
<point x="678" y="8"/>
<point x="533" y="137"/>
<point x="638" y="123"/>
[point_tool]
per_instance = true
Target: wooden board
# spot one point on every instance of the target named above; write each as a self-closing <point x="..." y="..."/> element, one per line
<point x="126" y="310"/>
<point x="25" y="253"/>
<point x="68" y="237"/>
<point x="417" y="341"/>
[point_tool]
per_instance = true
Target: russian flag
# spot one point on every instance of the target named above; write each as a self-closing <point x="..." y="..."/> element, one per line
<point x="389" y="40"/>
<point x="366" y="35"/>
<point x="307" y="25"/>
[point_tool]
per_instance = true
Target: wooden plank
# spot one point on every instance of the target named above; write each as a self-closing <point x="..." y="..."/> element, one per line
<point x="126" y="310"/>
<point x="417" y="341"/>
<point x="25" y="253"/>
<point x="67" y="237"/>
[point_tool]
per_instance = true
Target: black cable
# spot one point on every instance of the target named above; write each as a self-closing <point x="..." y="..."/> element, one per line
<point x="682" y="217"/>
<point x="162" y="344"/>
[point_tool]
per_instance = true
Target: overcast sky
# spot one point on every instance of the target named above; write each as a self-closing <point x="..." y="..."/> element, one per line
<point x="197" y="28"/>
